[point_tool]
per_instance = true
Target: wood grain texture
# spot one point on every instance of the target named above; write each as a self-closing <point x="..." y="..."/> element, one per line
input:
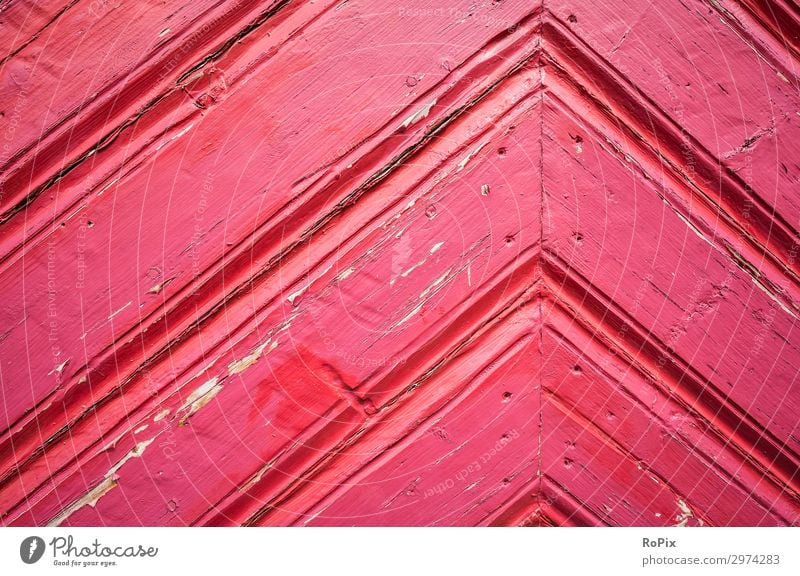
<point x="438" y="263"/>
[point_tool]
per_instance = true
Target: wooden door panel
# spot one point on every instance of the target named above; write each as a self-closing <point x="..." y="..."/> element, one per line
<point x="319" y="263"/>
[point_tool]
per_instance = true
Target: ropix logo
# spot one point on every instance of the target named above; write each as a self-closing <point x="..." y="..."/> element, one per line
<point x="31" y="550"/>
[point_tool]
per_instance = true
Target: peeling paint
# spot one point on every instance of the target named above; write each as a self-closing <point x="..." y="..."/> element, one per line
<point x="108" y="483"/>
<point x="435" y="283"/>
<point x="417" y="116"/>
<point x="260" y="474"/>
<point x="59" y="369"/>
<point x="685" y="514"/>
<point x="158" y="288"/>
<point x="89" y="499"/>
<point x="408" y="316"/>
<point x="297" y="294"/>
<point x="163" y="143"/>
<point x="346" y="274"/>
<point x="119" y="310"/>
<point x="470" y="156"/>
<point x="239" y="366"/>
<point x="294" y="295"/>
<point x="199" y="398"/>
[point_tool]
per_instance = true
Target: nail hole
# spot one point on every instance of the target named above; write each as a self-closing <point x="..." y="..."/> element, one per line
<point x="507" y="396"/>
<point x="577" y="370"/>
<point x="502" y="151"/>
<point x="89" y="223"/>
<point x="572" y="18"/>
<point x="578" y="143"/>
<point x="430" y="212"/>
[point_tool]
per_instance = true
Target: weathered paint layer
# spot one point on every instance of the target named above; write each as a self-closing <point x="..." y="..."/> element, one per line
<point x="349" y="263"/>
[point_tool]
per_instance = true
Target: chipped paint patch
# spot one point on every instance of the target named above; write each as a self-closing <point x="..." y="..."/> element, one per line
<point x="161" y="415"/>
<point x="199" y="398"/>
<point x="119" y="310"/>
<point x="461" y="165"/>
<point x="417" y="116"/>
<point x="107" y="186"/>
<point x="295" y="295"/>
<point x="157" y="289"/>
<point x="111" y="445"/>
<point x="59" y="369"/>
<point x="435" y="283"/>
<point x="260" y="474"/>
<point x="408" y="316"/>
<point x="241" y="365"/>
<point x="345" y="274"/>
<point x="205" y="368"/>
<point x="685" y="514"/>
<point x="89" y="499"/>
<point x="772" y="297"/>
<point x="410" y="270"/>
<point x="314" y="515"/>
<point x="108" y="483"/>
<point x="135" y="452"/>
<point x="173" y="138"/>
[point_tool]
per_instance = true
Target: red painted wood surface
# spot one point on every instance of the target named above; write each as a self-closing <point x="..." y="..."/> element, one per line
<point x="442" y="263"/>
